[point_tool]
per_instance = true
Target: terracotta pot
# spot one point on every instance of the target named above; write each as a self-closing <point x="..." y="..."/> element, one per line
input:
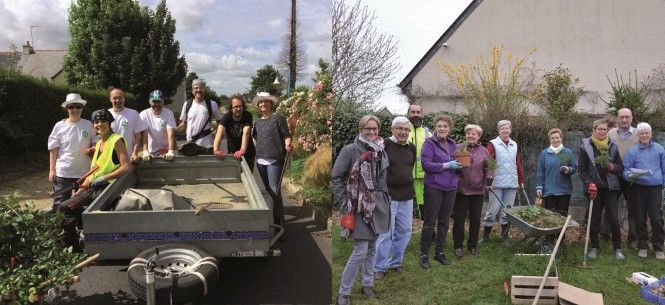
<point x="465" y="160"/>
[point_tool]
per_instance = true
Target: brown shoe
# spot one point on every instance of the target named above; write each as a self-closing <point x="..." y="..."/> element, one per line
<point x="379" y="275"/>
<point x="343" y="299"/>
<point x="399" y="269"/>
<point x="459" y="253"/>
<point x="368" y="291"/>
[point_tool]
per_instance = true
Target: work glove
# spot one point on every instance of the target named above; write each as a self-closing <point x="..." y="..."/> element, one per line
<point x="539" y="193"/>
<point x="169" y="155"/>
<point x="144" y="155"/>
<point x="238" y="154"/>
<point x="632" y="178"/>
<point x="99" y="181"/>
<point x="592" y="190"/>
<point x="452" y="165"/>
<point x="219" y="154"/>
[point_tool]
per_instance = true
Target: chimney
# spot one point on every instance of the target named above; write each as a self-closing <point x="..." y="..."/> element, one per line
<point x="27" y="49"/>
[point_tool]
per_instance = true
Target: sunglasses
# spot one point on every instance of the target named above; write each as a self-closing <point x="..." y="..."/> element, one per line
<point x="74" y="106"/>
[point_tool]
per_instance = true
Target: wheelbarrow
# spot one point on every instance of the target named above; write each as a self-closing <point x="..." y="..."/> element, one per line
<point x="530" y="232"/>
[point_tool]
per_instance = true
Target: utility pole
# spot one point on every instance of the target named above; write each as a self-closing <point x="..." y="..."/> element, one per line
<point x="292" y="49"/>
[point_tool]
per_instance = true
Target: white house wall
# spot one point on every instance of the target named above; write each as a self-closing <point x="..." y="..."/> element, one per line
<point x="591" y="38"/>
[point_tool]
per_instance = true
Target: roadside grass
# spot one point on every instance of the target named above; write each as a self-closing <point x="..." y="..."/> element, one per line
<point x="479" y="279"/>
<point x="315" y="194"/>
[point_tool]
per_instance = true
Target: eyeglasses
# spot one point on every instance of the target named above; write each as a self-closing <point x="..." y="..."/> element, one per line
<point x="370" y="129"/>
<point x="74" y="106"/>
<point x="237" y="107"/>
<point x="402" y="129"/>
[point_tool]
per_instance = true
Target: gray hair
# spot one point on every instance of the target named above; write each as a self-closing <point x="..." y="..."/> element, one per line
<point x="474" y="126"/>
<point x="198" y="82"/>
<point x="504" y="123"/>
<point x="366" y="118"/>
<point x="643" y="126"/>
<point x="400" y="120"/>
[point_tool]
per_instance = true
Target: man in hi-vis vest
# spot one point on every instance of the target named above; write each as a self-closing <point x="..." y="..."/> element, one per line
<point x="417" y="137"/>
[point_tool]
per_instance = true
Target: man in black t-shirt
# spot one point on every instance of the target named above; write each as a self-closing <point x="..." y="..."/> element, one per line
<point x="237" y="124"/>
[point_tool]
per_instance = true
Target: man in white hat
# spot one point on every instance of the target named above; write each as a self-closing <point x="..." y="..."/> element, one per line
<point x="158" y="137"/>
<point x="196" y="117"/>
<point x="69" y="145"/>
<point x="126" y="122"/>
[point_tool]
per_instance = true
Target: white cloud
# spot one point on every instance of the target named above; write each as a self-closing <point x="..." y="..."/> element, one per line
<point x="255" y="53"/>
<point x="18" y="16"/>
<point x="190" y="15"/>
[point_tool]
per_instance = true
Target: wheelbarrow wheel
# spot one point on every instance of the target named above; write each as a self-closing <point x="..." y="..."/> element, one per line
<point x="184" y="274"/>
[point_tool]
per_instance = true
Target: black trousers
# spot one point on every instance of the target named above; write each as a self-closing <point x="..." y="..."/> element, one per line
<point x="648" y="199"/>
<point x="631" y="206"/>
<point x="557" y="203"/>
<point x="606" y="201"/>
<point x="438" y="206"/>
<point x="473" y="204"/>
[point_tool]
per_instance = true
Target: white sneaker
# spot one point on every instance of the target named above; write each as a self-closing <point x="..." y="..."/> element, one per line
<point x="660" y="255"/>
<point x="619" y="254"/>
<point x="642" y="253"/>
<point x="593" y="253"/>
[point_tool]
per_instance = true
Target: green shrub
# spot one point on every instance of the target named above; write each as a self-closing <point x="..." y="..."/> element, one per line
<point x="629" y="95"/>
<point x="30" y="107"/>
<point x="558" y="95"/>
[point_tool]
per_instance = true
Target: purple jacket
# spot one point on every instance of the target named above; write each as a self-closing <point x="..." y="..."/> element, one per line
<point x="473" y="178"/>
<point x="434" y="155"/>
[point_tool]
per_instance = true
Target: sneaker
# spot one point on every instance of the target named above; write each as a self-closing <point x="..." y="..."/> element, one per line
<point x="399" y="269"/>
<point x="642" y="253"/>
<point x="343" y="299"/>
<point x="424" y="262"/>
<point x="660" y="255"/>
<point x="619" y="254"/>
<point x="473" y="251"/>
<point x="593" y="253"/>
<point x="459" y="253"/>
<point x="368" y="291"/>
<point x="379" y="275"/>
<point x="439" y="257"/>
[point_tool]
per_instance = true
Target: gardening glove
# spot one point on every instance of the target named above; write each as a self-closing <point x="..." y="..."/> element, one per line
<point x="219" y="154"/>
<point x="144" y="155"/>
<point x="238" y="154"/>
<point x="99" y="181"/>
<point x="169" y="156"/>
<point x="592" y="191"/>
<point x="452" y="165"/>
<point x="632" y="178"/>
<point x="539" y="193"/>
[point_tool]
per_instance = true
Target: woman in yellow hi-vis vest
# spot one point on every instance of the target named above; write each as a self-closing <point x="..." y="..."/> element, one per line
<point x="112" y="161"/>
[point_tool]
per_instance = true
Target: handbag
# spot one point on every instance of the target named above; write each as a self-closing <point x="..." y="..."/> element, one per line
<point x="347" y="222"/>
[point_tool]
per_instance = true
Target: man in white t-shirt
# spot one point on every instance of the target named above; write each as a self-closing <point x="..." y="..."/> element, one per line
<point x="197" y="121"/>
<point x="126" y="123"/>
<point x="158" y="137"/>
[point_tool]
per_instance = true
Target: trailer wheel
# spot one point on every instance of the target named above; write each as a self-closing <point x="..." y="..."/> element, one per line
<point x="184" y="273"/>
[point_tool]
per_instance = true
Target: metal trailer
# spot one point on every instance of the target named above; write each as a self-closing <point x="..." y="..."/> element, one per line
<point x="244" y="231"/>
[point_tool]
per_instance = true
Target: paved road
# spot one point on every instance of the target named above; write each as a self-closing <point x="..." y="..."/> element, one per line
<point x="301" y="275"/>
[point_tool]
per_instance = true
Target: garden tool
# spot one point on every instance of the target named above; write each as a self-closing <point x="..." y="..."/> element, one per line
<point x="552" y="258"/>
<point x="75" y="186"/>
<point x="528" y="203"/>
<point x="586" y="242"/>
<point x="287" y="163"/>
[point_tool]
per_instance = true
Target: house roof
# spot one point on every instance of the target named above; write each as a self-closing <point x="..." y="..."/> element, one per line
<point x="44" y="63"/>
<point x="406" y="82"/>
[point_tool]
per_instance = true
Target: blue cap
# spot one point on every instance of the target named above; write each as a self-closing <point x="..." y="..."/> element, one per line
<point x="156" y="96"/>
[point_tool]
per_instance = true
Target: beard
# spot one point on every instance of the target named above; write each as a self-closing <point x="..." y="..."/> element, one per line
<point x="416" y="121"/>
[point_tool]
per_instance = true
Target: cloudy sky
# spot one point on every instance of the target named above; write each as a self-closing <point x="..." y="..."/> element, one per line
<point x="416" y="25"/>
<point x="224" y="41"/>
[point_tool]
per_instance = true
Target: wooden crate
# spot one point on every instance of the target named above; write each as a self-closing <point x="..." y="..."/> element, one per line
<point x="523" y="290"/>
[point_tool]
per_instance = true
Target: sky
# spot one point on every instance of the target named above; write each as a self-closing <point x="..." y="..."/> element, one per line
<point x="416" y="25"/>
<point x="224" y="41"/>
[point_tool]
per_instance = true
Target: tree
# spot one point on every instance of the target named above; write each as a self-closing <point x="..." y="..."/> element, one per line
<point x="363" y="60"/>
<point x="293" y="59"/>
<point x="116" y="43"/>
<point x="13" y="59"/>
<point x="263" y="81"/>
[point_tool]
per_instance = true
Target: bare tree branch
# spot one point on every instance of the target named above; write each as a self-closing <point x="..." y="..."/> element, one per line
<point x="292" y="59"/>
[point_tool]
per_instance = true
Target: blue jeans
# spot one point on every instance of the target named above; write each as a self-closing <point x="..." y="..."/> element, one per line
<point x="390" y="246"/>
<point x="270" y="175"/>
<point x="507" y="196"/>
<point x="364" y="252"/>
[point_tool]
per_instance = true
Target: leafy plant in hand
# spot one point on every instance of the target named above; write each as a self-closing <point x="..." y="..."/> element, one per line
<point x="602" y="160"/>
<point x="33" y="257"/>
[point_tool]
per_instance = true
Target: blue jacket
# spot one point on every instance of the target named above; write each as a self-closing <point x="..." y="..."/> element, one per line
<point x="549" y="178"/>
<point x="651" y="157"/>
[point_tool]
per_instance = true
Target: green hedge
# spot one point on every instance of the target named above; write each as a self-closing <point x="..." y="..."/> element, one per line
<point x="345" y="126"/>
<point x="30" y="107"/>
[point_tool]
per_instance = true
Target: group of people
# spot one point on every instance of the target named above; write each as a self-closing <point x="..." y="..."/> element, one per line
<point x="376" y="180"/>
<point x="117" y="137"/>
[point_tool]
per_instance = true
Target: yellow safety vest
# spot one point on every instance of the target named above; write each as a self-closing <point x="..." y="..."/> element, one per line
<point x="417" y="137"/>
<point x="105" y="161"/>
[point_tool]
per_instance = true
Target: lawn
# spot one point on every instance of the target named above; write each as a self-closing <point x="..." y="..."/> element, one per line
<point x="479" y="279"/>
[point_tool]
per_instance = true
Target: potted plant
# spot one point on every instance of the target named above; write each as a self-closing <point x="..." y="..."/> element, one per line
<point x="462" y="154"/>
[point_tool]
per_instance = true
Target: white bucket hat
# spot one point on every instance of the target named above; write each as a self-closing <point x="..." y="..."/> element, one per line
<point x="73" y="98"/>
<point x="262" y="96"/>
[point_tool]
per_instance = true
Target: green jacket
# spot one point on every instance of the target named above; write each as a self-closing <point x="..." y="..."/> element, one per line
<point x="417" y="137"/>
